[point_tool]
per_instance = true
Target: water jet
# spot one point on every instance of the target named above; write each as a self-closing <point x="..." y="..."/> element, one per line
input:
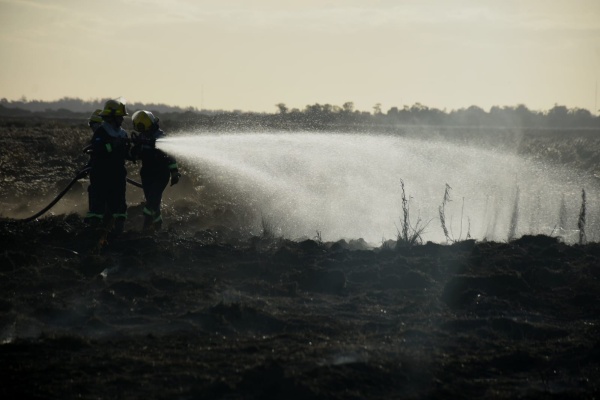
<point x="347" y="185"/>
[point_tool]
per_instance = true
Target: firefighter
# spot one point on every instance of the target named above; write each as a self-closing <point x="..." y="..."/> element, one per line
<point x="95" y="120"/>
<point x="110" y="147"/>
<point x="157" y="166"/>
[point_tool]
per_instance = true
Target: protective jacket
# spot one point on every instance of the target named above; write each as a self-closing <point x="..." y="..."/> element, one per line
<point x="108" y="176"/>
<point x="110" y="145"/>
<point x="157" y="168"/>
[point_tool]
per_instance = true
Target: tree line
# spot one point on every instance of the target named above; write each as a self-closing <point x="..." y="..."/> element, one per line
<point x="321" y="116"/>
<point x="76" y="105"/>
<point x="558" y="116"/>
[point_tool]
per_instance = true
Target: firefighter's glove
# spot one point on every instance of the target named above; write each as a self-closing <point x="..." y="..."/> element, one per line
<point x="175" y="175"/>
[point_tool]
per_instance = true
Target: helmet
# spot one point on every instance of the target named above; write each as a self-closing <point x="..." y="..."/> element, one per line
<point x="95" y="118"/>
<point x="114" y="108"/>
<point x="144" y="121"/>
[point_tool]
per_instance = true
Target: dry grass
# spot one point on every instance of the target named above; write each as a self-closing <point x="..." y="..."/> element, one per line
<point x="442" y="213"/>
<point x="409" y="234"/>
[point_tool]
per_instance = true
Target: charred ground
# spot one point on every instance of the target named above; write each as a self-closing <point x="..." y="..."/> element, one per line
<point x="203" y="310"/>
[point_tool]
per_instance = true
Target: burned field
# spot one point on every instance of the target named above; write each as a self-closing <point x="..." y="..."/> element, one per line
<point x="201" y="311"/>
<point x="163" y="317"/>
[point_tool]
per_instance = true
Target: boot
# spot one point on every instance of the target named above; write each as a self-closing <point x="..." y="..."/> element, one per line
<point x="158" y="223"/>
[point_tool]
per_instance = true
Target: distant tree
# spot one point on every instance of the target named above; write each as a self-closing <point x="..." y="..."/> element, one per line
<point x="393" y="112"/>
<point x="581" y="117"/>
<point x="523" y="115"/>
<point x="327" y="108"/>
<point x="470" y="116"/>
<point x="417" y="113"/>
<point x="282" y="108"/>
<point x="314" y="109"/>
<point x="558" y="115"/>
<point x="418" y="107"/>
<point x="377" y="109"/>
<point x="348" y="107"/>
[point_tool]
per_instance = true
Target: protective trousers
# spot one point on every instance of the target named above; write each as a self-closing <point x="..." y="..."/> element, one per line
<point x="154" y="183"/>
<point x="107" y="194"/>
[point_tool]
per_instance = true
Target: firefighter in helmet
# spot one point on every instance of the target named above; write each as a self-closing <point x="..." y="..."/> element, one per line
<point x="157" y="166"/>
<point x="110" y="147"/>
<point x="95" y="120"/>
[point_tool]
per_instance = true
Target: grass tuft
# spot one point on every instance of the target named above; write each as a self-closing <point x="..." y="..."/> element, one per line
<point x="442" y="213"/>
<point x="581" y="220"/>
<point x="408" y="235"/>
<point x="514" y="219"/>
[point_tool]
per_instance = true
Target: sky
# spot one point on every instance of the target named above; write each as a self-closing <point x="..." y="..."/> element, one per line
<point x="250" y="55"/>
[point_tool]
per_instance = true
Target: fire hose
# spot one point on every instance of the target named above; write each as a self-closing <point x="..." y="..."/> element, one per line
<point x="81" y="174"/>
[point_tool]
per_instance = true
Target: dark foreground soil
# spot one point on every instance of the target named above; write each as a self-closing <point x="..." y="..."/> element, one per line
<point x="162" y="316"/>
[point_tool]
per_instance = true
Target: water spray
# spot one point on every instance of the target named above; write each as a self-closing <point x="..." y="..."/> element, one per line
<point x="347" y="185"/>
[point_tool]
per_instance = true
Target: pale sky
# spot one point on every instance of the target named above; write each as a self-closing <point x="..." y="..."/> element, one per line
<point x="252" y="54"/>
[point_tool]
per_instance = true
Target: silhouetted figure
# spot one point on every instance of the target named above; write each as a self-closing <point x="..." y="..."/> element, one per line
<point x="157" y="166"/>
<point x="110" y="148"/>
